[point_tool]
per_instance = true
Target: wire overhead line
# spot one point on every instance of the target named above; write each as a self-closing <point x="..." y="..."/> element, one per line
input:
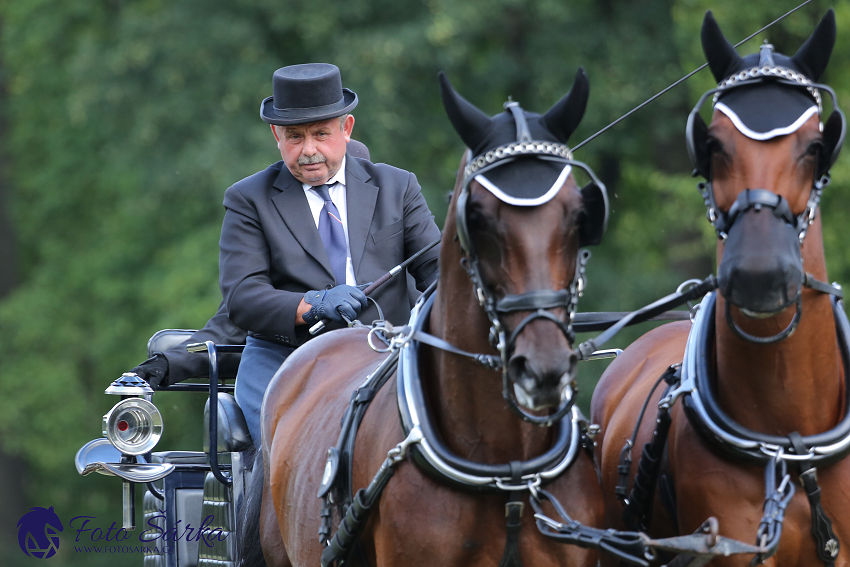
<point x="683" y="79"/>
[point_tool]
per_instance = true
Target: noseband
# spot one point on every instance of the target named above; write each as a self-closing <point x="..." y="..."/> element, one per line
<point x="539" y="302"/>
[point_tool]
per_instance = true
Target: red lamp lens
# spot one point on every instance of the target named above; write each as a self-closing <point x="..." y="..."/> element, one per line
<point x="123" y="425"/>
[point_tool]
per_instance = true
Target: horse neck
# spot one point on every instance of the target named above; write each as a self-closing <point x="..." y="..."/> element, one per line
<point x="465" y="398"/>
<point x="795" y="384"/>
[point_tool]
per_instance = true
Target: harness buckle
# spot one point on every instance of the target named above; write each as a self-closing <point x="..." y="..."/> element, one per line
<point x="804" y="477"/>
<point x="514" y="505"/>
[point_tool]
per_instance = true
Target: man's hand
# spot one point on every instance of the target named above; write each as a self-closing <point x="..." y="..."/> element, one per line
<point x="333" y="303"/>
<point x="153" y="370"/>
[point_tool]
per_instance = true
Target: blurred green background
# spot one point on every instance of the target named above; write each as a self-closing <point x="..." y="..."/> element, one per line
<point x="123" y="122"/>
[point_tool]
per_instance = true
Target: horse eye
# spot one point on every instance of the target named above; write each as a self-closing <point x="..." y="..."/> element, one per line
<point x="714" y="145"/>
<point x="814" y="147"/>
<point x="475" y="216"/>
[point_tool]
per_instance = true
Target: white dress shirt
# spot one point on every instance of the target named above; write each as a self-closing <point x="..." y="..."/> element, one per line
<point x="336" y="189"/>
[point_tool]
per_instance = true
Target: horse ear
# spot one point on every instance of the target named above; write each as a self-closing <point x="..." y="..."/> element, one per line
<point x="565" y="115"/>
<point x="471" y="124"/>
<point x="813" y="55"/>
<point x="719" y="53"/>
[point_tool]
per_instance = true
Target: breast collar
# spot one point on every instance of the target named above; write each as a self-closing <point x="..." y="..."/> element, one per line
<point x="733" y="439"/>
<point x="432" y="455"/>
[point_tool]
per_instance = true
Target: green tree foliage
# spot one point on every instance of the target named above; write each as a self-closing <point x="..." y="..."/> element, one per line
<point x="127" y="120"/>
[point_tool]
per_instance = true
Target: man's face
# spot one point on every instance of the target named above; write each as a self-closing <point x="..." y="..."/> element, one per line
<point x="313" y="152"/>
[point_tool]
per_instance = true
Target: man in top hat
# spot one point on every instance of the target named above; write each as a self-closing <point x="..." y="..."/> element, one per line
<point x="301" y="235"/>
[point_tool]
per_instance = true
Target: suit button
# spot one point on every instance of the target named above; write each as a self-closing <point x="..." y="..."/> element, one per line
<point x="329" y="286"/>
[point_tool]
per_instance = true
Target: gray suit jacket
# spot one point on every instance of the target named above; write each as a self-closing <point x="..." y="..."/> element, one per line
<point x="271" y="252"/>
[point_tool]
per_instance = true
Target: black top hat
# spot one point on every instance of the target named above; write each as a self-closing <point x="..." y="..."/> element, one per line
<point x="307" y="93"/>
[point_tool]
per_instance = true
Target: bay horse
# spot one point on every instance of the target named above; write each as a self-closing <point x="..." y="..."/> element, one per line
<point x="762" y="398"/>
<point x="515" y="224"/>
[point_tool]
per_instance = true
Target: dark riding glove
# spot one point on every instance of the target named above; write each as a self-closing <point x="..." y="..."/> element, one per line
<point x="333" y="303"/>
<point x="153" y="370"/>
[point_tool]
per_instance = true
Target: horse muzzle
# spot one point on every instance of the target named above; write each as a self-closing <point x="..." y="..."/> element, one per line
<point x="761" y="272"/>
<point x="542" y="382"/>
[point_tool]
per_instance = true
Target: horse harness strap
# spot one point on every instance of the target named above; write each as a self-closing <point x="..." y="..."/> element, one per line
<point x="638" y="505"/>
<point x="827" y="542"/>
<point x="487" y="360"/>
<point x="696" y="291"/>
<point x="725" y="434"/>
<point x="689" y="380"/>
<point x="337" y="488"/>
<point x="437" y="460"/>
<point x="513" y="513"/>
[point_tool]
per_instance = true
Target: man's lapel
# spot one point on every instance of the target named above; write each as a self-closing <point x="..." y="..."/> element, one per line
<point x="294" y="209"/>
<point x="360" y="200"/>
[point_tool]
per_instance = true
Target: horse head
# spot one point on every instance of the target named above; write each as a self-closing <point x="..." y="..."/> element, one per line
<point x="520" y="221"/>
<point x="766" y="157"/>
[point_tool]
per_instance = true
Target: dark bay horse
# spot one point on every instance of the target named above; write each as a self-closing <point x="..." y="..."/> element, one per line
<point x="767" y="355"/>
<point x="526" y="259"/>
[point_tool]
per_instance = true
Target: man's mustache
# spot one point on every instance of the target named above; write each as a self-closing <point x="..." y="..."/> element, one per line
<point x="316" y="158"/>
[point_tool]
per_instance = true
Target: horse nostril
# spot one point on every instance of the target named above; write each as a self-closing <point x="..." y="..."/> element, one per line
<point x="522" y="371"/>
<point x="517" y="367"/>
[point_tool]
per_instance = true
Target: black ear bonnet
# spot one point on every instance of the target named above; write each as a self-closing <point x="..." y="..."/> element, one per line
<point x="535" y="146"/>
<point x="768" y="94"/>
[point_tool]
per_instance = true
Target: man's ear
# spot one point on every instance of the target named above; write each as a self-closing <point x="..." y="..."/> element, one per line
<point x="274" y="132"/>
<point x="347" y="127"/>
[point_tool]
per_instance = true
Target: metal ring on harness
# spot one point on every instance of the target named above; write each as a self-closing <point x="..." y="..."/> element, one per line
<point x="372" y="331"/>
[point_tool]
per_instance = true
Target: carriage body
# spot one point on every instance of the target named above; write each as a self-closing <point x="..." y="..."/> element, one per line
<point x="182" y="489"/>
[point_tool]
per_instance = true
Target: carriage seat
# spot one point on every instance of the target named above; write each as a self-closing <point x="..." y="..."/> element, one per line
<point x="233" y="435"/>
<point x="167" y="339"/>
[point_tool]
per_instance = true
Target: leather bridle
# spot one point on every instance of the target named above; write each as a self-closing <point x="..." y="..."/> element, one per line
<point x="763" y="198"/>
<point x="538" y="302"/>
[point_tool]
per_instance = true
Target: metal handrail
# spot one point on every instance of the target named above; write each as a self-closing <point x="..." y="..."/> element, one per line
<point x="212" y="350"/>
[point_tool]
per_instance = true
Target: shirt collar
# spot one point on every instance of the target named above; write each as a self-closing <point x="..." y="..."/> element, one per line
<point x="339" y="177"/>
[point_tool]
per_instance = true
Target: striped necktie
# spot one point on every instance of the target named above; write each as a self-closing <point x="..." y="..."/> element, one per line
<point x="333" y="234"/>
